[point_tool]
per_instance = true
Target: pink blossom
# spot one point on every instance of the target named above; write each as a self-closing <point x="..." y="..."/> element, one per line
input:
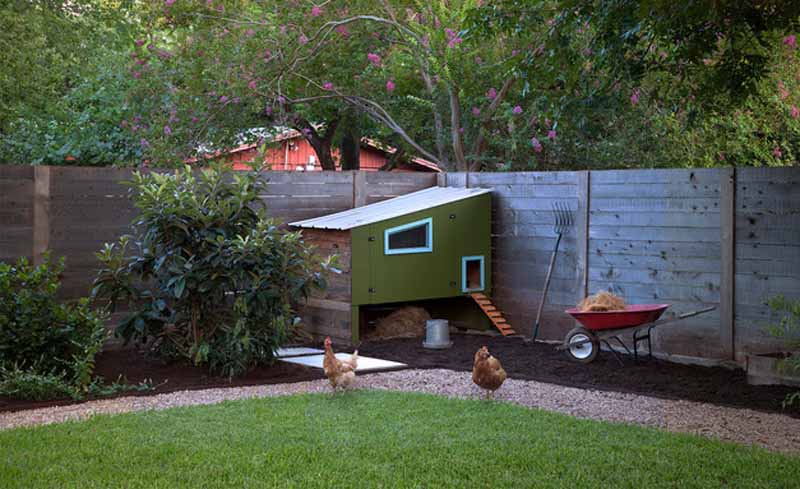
<point x="137" y="74"/>
<point x="537" y="146"/>
<point x="252" y="85"/>
<point x="268" y="110"/>
<point x="282" y="28"/>
<point x="209" y="3"/>
<point x="547" y="122"/>
<point x="150" y="47"/>
<point x="461" y="130"/>
<point x="390" y="86"/>
<point x="220" y="8"/>
<point x="342" y="31"/>
<point x="587" y="51"/>
<point x="328" y="86"/>
<point x="635" y="97"/>
<point x="790" y="41"/>
<point x="426" y="40"/>
<point x="123" y="123"/>
<point x="476" y="111"/>
<point x="517" y="110"/>
<point x="223" y="99"/>
<point x="478" y="60"/>
<point x="316" y="11"/>
<point x="491" y="94"/>
<point x="169" y="3"/>
<point x="776" y="152"/>
<point x="452" y="38"/>
<point x="139" y="42"/>
<point x="141" y="62"/>
<point x="281" y="100"/>
<point x="795" y="112"/>
<point x="514" y="52"/>
<point x="551" y="135"/>
<point x="167" y="130"/>
<point x="302" y="39"/>
<point x="374" y="59"/>
<point x="250" y="33"/>
<point x="721" y="156"/>
<point x="144" y="143"/>
<point x="195" y="120"/>
<point x="782" y="90"/>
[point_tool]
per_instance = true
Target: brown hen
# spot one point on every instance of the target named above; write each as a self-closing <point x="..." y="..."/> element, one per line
<point x="340" y="373"/>
<point x="487" y="373"/>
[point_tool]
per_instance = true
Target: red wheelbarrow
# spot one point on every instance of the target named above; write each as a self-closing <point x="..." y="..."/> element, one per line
<point x="582" y="343"/>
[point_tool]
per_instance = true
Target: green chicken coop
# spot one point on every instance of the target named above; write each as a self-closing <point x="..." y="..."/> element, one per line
<point x="425" y="246"/>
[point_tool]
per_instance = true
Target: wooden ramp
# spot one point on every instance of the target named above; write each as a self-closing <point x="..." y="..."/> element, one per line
<point x="493" y="313"/>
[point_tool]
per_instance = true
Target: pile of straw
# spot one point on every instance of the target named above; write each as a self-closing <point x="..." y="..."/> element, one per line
<point x="602" y="301"/>
<point x="407" y="322"/>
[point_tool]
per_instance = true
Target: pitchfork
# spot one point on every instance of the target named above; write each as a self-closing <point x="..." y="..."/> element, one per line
<point x="563" y="221"/>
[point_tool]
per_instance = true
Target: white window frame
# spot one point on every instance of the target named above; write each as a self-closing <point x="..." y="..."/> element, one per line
<point x="403" y="251"/>
<point x="464" y="260"/>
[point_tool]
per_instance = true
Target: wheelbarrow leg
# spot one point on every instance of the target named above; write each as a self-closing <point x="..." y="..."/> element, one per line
<point x="614" y="351"/>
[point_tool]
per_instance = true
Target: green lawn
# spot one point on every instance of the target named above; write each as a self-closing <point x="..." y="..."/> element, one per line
<point x="374" y="439"/>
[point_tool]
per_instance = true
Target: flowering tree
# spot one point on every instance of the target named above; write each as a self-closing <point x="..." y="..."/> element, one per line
<point x="228" y="67"/>
<point x="509" y="84"/>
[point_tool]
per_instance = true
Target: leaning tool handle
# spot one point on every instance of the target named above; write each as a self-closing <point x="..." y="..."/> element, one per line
<point x="546" y="286"/>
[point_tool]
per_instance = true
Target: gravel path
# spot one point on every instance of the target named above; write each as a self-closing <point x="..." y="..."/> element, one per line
<point x="772" y="431"/>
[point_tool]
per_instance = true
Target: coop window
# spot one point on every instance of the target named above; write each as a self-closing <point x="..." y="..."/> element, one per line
<point x="472" y="273"/>
<point x="414" y="237"/>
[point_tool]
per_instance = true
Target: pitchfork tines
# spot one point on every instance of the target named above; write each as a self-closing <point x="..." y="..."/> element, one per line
<point x="563" y="217"/>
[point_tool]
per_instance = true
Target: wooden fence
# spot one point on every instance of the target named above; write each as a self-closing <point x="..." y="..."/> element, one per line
<point x="691" y="238"/>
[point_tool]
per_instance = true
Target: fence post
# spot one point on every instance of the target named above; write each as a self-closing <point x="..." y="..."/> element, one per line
<point x="582" y="235"/>
<point x="441" y="179"/>
<point x="727" y="285"/>
<point x="41" y="213"/>
<point x="359" y="188"/>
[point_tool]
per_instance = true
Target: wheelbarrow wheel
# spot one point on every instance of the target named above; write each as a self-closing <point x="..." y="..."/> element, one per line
<point x="589" y="346"/>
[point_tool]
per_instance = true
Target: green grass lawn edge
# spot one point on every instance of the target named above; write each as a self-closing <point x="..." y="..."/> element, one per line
<point x="374" y="439"/>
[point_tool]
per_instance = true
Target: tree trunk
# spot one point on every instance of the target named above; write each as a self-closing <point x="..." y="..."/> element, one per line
<point x="320" y="143"/>
<point x="351" y="143"/>
<point x="455" y="130"/>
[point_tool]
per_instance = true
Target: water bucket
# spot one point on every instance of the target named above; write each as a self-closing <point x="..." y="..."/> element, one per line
<point x="437" y="334"/>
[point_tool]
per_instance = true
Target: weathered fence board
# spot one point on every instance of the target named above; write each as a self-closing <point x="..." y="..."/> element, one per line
<point x="16" y="212"/>
<point x="654" y="237"/>
<point x="767" y="250"/>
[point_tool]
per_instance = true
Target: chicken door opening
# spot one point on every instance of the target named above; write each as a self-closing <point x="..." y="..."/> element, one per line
<point x="472" y="273"/>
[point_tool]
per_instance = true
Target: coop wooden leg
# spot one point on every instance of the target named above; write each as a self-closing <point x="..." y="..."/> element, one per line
<point x="355" y="324"/>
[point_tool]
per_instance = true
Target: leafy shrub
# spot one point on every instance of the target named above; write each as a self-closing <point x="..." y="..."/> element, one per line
<point x="45" y="345"/>
<point x="788" y="329"/>
<point x="32" y="385"/>
<point x="206" y="275"/>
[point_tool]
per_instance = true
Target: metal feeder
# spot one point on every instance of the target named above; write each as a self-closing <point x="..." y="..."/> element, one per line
<point x="437" y="334"/>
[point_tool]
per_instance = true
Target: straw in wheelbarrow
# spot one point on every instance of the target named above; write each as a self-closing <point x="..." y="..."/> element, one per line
<point x="602" y="301"/>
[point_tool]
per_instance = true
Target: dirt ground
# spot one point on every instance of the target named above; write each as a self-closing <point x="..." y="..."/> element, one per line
<point x="135" y="367"/>
<point x="539" y="362"/>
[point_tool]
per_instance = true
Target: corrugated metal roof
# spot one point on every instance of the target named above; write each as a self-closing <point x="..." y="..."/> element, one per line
<point x="388" y="209"/>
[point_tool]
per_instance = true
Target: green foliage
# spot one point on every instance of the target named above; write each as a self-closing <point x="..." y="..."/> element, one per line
<point x="372" y="439"/>
<point x="206" y="275"/>
<point x="788" y="329"/>
<point x="64" y="81"/>
<point x="45" y="343"/>
<point x="86" y="126"/>
<point x="32" y="385"/>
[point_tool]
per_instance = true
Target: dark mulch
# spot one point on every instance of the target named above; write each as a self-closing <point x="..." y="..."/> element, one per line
<point x="135" y="367"/>
<point x="541" y="362"/>
<point x="538" y="361"/>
